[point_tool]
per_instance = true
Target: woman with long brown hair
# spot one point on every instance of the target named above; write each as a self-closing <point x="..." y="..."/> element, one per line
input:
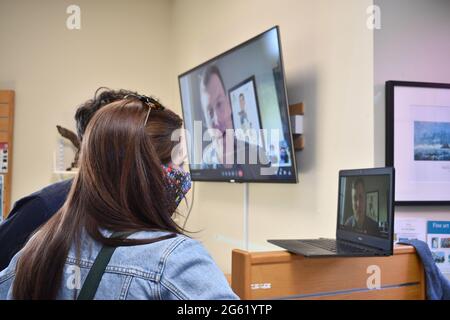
<point x="114" y="238"/>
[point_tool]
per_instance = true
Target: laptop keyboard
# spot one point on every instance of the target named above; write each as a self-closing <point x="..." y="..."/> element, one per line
<point x="330" y="245"/>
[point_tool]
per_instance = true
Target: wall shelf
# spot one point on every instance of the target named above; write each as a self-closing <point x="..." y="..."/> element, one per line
<point x="298" y="139"/>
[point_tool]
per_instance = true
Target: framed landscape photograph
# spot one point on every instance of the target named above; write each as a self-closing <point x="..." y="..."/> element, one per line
<point x="418" y="141"/>
<point x="431" y="141"/>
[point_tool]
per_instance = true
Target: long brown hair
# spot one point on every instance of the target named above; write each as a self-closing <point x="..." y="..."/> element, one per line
<point x="119" y="187"/>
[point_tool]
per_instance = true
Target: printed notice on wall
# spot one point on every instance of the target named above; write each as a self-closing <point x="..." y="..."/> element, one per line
<point x="3" y="157"/>
<point x="410" y="229"/>
<point x="438" y="240"/>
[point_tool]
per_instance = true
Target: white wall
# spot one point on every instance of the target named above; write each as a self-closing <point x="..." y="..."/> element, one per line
<point x="121" y="44"/>
<point x="412" y="45"/>
<point x="329" y="66"/>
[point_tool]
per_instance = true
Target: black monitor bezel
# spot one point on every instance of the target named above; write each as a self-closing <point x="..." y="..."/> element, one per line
<point x="386" y="245"/>
<point x="294" y="178"/>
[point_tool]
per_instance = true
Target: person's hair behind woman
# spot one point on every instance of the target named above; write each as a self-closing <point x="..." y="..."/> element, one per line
<point x="120" y="187"/>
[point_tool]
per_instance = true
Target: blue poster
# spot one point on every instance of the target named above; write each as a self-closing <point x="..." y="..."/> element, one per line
<point x="438" y="239"/>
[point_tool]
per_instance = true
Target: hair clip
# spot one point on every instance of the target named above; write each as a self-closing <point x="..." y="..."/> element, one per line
<point x="151" y="102"/>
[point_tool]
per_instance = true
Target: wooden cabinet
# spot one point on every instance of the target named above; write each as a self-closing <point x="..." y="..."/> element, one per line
<point x="282" y="275"/>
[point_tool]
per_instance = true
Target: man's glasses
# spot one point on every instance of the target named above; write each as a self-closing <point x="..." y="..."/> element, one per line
<point x="151" y="102"/>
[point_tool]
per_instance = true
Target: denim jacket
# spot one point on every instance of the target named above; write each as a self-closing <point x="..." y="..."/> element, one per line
<point x="175" y="268"/>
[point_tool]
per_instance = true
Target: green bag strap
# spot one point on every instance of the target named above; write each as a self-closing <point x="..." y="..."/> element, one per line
<point x="95" y="275"/>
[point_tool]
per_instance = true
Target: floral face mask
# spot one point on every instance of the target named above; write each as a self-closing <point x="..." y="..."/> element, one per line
<point x="178" y="183"/>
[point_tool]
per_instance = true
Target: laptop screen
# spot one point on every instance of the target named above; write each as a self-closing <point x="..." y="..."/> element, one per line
<point x="364" y="204"/>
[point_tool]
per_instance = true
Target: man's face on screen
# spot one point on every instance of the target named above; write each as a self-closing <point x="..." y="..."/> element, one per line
<point x="219" y="109"/>
<point x="359" y="202"/>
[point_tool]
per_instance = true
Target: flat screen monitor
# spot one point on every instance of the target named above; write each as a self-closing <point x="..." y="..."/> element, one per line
<point x="236" y="115"/>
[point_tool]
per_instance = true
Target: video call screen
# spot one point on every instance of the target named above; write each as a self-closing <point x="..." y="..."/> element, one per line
<point x="236" y="115"/>
<point x="364" y="205"/>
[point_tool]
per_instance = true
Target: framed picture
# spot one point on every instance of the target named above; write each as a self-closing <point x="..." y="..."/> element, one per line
<point x="418" y="141"/>
<point x="372" y="206"/>
<point x="245" y="111"/>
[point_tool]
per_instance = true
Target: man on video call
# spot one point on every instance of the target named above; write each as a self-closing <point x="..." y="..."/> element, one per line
<point x="359" y="221"/>
<point x="218" y="114"/>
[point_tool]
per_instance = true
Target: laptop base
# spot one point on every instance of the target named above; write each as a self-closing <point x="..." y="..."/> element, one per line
<point x="322" y="248"/>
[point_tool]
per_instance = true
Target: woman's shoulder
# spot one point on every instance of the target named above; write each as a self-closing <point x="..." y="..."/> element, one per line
<point x="7" y="277"/>
<point x="189" y="272"/>
<point x="154" y="255"/>
<point x="164" y="240"/>
<point x="170" y="244"/>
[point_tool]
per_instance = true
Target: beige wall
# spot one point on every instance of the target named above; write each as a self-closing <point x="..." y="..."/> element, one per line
<point x="144" y="45"/>
<point x="121" y="44"/>
<point x="329" y="61"/>
<point x="415" y="37"/>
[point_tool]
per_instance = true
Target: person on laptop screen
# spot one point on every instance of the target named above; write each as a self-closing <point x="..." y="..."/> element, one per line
<point x="359" y="221"/>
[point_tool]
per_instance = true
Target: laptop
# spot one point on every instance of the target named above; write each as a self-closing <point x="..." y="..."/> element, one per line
<point x="365" y="219"/>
